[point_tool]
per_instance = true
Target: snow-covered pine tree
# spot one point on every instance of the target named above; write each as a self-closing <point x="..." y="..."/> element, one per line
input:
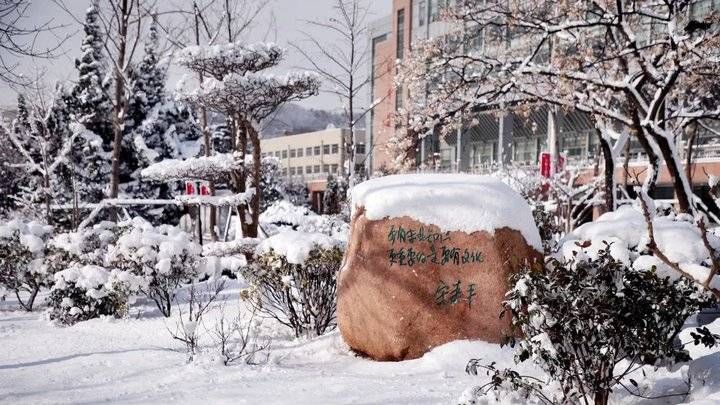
<point x="272" y="183"/>
<point x="91" y="103"/>
<point x="147" y="90"/>
<point x="235" y="86"/>
<point x="334" y="196"/>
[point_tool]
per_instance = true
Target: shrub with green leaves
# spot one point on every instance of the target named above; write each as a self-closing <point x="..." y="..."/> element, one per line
<point x="294" y="281"/>
<point x="582" y="318"/>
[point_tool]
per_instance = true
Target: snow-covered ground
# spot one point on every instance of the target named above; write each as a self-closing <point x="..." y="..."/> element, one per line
<point x="135" y="360"/>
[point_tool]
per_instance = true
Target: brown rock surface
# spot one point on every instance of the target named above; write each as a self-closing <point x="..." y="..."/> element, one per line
<point x="407" y="287"/>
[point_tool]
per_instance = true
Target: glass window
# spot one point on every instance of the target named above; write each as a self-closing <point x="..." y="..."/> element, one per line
<point x="399" y="101"/>
<point x="284" y="154"/>
<point x="292" y="171"/>
<point x="360" y="148"/>
<point x="300" y="168"/>
<point x="335" y="148"/>
<point x="317" y="151"/>
<point x="400" y="45"/>
<point x="292" y="153"/>
<point x="317" y="168"/>
<point x="308" y="151"/>
<point x="277" y="154"/>
<point x="284" y="171"/>
<point x="334" y="168"/>
<point x="326" y="149"/>
<point x="422" y="12"/>
<point x="326" y="168"/>
<point x="300" y="152"/>
<point x="308" y="169"/>
<point x="573" y="143"/>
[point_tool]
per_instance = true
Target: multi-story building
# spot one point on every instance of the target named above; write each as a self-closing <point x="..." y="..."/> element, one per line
<point x="496" y="138"/>
<point x="311" y="157"/>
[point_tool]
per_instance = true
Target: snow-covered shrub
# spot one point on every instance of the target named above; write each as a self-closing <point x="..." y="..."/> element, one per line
<point x="582" y="317"/>
<point x="294" y="280"/>
<point x="164" y="257"/>
<point x="284" y="216"/>
<point x="22" y="248"/>
<point x="335" y="196"/>
<point x="84" y="288"/>
<point x="84" y="292"/>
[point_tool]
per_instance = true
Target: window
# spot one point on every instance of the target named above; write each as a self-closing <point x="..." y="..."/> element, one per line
<point x="317" y="168"/>
<point x="422" y="12"/>
<point x="573" y="143"/>
<point x="400" y="45"/>
<point x="317" y="151"/>
<point x="277" y="154"/>
<point x="308" y="169"/>
<point x="293" y="153"/>
<point x="399" y="101"/>
<point x="300" y="168"/>
<point x="335" y="148"/>
<point x="308" y="151"/>
<point x="284" y="171"/>
<point x="326" y="149"/>
<point x="334" y="168"/>
<point x="292" y="171"/>
<point x="436" y="8"/>
<point x="300" y="152"/>
<point x="326" y="168"/>
<point x="284" y="154"/>
<point x="360" y="148"/>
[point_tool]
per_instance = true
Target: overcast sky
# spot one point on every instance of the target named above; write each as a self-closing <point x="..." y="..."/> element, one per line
<point x="289" y="17"/>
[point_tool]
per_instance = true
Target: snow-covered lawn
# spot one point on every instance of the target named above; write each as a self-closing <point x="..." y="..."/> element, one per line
<point x="135" y="360"/>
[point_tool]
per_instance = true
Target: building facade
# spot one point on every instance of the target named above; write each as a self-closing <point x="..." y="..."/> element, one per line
<point x="499" y="138"/>
<point x="311" y="157"/>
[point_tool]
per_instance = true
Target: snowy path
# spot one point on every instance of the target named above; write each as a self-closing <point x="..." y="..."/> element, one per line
<point x="135" y="361"/>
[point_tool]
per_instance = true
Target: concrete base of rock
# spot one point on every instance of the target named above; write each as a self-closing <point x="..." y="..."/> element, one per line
<point x="407" y="287"/>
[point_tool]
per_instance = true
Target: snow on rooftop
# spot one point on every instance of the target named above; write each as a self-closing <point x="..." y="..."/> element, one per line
<point x="296" y="246"/>
<point x="215" y="167"/>
<point x="452" y="202"/>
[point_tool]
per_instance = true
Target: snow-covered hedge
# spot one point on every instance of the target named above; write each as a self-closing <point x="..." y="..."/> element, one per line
<point x="625" y="230"/>
<point x="283" y="216"/>
<point x="22" y="268"/>
<point x="83" y="292"/>
<point x="83" y="287"/>
<point x="294" y="280"/>
<point x="162" y="257"/>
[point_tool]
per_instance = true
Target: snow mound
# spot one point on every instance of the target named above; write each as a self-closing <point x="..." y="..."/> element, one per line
<point x="296" y="246"/>
<point x="284" y="216"/>
<point x="626" y="232"/>
<point x="453" y="202"/>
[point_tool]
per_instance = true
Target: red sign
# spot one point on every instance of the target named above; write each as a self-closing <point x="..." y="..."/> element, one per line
<point x="189" y="188"/>
<point x="546" y="164"/>
<point x="204" y="190"/>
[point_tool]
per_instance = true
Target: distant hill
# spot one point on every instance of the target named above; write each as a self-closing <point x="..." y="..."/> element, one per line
<point x="295" y="119"/>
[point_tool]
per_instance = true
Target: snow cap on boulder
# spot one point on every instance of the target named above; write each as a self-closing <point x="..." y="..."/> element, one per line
<point x="460" y="202"/>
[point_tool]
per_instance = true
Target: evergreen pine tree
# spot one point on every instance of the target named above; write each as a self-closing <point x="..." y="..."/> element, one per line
<point x="91" y="103"/>
<point x="147" y="83"/>
<point x="271" y="183"/>
<point x="334" y="196"/>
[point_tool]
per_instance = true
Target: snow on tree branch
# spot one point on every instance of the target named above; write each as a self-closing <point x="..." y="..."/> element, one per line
<point x="213" y="168"/>
<point x="220" y="60"/>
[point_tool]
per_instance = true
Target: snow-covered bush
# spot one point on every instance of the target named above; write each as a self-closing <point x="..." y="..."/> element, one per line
<point x="83" y="292"/>
<point x="295" y="280"/>
<point x="163" y="257"/>
<point x="22" y="248"/>
<point x="588" y="322"/>
<point x="283" y="216"/>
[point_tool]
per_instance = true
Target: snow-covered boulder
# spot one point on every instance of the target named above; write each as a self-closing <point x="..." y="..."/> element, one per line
<point x="428" y="261"/>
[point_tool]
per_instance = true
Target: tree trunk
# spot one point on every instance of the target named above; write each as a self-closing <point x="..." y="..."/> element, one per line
<point x="676" y="172"/>
<point x="691" y="130"/>
<point x="602" y="397"/>
<point x="119" y="108"/>
<point x="609" y="171"/>
<point x="256" y="174"/>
